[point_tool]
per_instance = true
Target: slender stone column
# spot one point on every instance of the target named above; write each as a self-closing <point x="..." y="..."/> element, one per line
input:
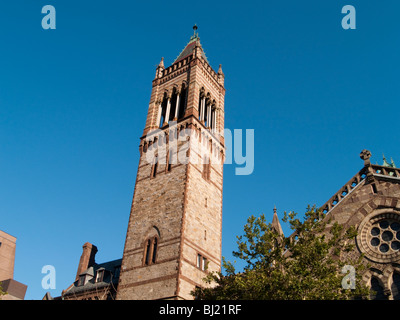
<point x="203" y="105"/>
<point x="209" y="116"/>
<point x="177" y="106"/>
<point x="214" y="119"/>
<point x="159" y="114"/>
<point x="166" y="120"/>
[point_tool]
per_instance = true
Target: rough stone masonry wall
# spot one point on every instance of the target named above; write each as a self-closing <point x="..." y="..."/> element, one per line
<point x="202" y="223"/>
<point x="157" y="202"/>
<point x="7" y="255"/>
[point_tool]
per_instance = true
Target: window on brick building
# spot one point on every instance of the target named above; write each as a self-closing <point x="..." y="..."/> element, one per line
<point x="100" y="275"/>
<point x="206" y="168"/>
<point x="150" y="254"/>
<point x="395" y="286"/>
<point x="154" y="167"/>
<point x="169" y="160"/>
<point x="198" y="260"/>
<point x="201" y="262"/>
<point x="204" y="264"/>
<point x="147" y="253"/>
<point x="377" y="291"/>
<point x="81" y="281"/>
<point x="153" y="259"/>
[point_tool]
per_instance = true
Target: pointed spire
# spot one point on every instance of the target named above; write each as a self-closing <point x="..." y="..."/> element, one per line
<point x="275" y="223"/>
<point x="220" y="70"/>
<point x="161" y="64"/>
<point x="160" y="68"/>
<point x="392" y="163"/>
<point x="220" y="76"/>
<point x="385" y="163"/>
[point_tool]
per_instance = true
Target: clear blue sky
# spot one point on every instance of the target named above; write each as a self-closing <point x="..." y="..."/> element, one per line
<point x="73" y="103"/>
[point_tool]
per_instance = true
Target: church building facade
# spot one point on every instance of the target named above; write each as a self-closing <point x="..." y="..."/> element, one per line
<point x="370" y="202"/>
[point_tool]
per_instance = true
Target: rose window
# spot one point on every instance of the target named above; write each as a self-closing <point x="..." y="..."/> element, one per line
<point x="385" y="236"/>
<point x="379" y="237"/>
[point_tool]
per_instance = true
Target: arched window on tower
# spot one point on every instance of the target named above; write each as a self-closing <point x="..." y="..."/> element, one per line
<point x="170" y="160"/>
<point x="202" y="106"/>
<point x="153" y="259"/>
<point x="182" y="102"/>
<point x="377" y="291"/>
<point x="206" y="168"/>
<point x="173" y="107"/>
<point x="147" y="253"/>
<point x="163" y="111"/>
<point x="153" y="173"/>
<point x="396" y="286"/>
<point x="207" y="111"/>
<point x="213" y="120"/>
<point x="151" y="247"/>
<point x="150" y="254"/>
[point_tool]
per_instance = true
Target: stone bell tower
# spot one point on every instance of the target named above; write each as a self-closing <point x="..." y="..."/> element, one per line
<point x="174" y="231"/>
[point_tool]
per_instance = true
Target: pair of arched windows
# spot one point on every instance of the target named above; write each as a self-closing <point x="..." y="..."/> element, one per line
<point x="378" y="291"/>
<point x="151" y="246"/>
<point x="207" y="110"/>
<point x="173" y="106"/>
<point x="154" y="166"/>
<point x="150" y="251"/>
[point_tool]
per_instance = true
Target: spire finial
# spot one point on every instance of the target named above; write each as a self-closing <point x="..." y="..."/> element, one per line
<point x="220" y="69"/>
<point x="392" y="163"/>
<point x="161" y="64"/>
<point x="384" y="161"/>
<point x="195" y="34"/>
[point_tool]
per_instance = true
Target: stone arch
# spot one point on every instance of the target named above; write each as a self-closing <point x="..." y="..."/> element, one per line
<point x="395" y="285"/>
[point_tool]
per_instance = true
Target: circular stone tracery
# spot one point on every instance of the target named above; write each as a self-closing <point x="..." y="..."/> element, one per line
<point x="379" y="237"/>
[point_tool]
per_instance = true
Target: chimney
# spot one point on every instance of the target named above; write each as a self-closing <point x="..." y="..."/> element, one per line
<point x="87" y="258"/>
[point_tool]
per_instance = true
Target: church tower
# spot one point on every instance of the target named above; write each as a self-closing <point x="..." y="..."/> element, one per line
<point x="174" y="231"/>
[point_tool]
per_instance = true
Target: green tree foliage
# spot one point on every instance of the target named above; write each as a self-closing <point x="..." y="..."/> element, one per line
<point x="305" y="266"/>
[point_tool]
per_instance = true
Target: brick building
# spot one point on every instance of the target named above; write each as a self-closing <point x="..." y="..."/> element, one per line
<point x="93" y="281"/>
<point x="14" y="289"/>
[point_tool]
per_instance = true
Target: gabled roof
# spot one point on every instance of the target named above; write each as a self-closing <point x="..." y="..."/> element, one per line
<point x="384" y="171"/>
